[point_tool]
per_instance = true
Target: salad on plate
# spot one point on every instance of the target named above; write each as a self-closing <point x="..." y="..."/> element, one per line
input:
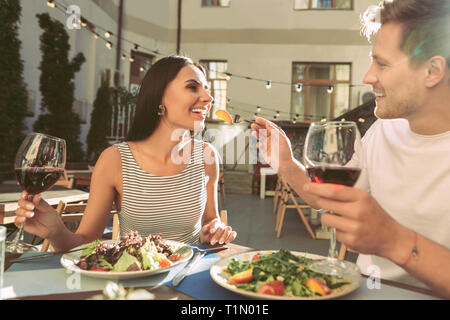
<point x="281" y="273"/>
<point x="131" y="253"/>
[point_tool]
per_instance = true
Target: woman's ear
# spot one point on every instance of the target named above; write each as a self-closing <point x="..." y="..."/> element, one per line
<point x="437" y="71"/>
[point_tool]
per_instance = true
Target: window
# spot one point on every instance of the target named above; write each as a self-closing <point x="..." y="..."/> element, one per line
<point x="320" y="90"/>
<point x="323" y="4"/>
<point x="218" y="83"/>
<point x="216" y="3"/>
<point x="140" y="63"/>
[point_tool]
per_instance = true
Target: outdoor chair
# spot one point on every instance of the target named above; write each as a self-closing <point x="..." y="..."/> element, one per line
<point x="65" y="181"/>
<point x="71" y="214"/>
<point x="288" y="200"/>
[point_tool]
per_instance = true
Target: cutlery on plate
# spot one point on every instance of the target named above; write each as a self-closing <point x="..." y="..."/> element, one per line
<point x="45" y="255"/>
<point x="200" y="254"/>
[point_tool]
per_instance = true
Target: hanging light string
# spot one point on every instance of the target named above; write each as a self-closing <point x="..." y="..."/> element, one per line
<point x="91" y="27"/>
<point x="257" y="110"/>
<point x="270" y="113"/>
<point x="298" y="86"/>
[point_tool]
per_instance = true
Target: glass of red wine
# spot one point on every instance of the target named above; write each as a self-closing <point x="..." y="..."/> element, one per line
<point x="39" y="163"/>
<point x="333" y="154"/>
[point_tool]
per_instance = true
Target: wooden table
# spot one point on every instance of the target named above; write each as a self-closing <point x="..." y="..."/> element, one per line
<point x="9" y="195"/>
<point x="262" y="187"/>
<point x="91" y="286"/>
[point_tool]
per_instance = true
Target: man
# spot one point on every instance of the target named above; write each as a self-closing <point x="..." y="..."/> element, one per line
<point x="403" y="225"/>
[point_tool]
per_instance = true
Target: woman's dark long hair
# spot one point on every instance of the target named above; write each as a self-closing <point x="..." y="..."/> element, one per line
<point x="155" y="82"/>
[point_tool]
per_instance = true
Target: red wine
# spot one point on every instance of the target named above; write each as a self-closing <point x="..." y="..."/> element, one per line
<point x="339" y="175"/>
<point x="37" y="180"/>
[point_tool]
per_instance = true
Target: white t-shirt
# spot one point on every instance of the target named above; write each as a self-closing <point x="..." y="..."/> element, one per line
<point x="409" y="175"/>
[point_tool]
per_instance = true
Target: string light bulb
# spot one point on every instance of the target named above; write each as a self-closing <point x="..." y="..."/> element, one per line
<point x="141" y="69"/>
<point x="136" y="47"/>
<point x="131" y="59"/>
<point x="108" y="34"/>
<point x="123" y="57"/>
<point x="294" y="121"/>
<point x="269" y="84"/>
<point x="83" y="22"/>
<point x="95" y="34"/>
<point x="330" y="89"/>
<point x="258" y="109"/>
<point x="50" y="3"/>
<point x="278" y="113"/>
<point x="299" y="87"/>
<point x="361" y="120"/>
<point x="108" y="45"/>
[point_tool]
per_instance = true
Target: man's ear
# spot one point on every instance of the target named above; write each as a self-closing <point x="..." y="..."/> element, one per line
<point x="437" y="71"/>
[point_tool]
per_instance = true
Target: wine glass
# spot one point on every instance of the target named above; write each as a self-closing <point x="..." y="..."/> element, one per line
<point x="333" y="154"/>
<point x="39" y="163"/>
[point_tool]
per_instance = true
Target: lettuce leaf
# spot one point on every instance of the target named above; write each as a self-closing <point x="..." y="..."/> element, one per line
<point x="89" y="249"/>
<point x="124" y="262"/>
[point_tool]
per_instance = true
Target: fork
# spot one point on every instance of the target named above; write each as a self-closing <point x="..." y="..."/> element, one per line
<point x="200" y="254"/>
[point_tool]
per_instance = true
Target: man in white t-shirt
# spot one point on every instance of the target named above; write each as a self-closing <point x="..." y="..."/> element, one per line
<point x="398" y="215"/>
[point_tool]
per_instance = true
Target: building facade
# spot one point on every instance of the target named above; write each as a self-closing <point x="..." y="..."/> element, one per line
<point x="290" y="60"/>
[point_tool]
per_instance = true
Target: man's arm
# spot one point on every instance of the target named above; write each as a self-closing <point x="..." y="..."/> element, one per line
<point x="364" y="226"/>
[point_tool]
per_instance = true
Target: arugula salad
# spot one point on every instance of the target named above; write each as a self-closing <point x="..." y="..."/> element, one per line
<point x="132" y="253"/>
<point x="281" y="273"/>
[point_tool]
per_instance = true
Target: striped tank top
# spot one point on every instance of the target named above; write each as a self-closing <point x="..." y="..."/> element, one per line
<point x="170" y="205"/>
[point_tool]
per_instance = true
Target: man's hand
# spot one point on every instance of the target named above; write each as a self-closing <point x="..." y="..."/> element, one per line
<point x="360" y="222"/>
<point x="273" y="144"/>
<point x="216" y="231"/>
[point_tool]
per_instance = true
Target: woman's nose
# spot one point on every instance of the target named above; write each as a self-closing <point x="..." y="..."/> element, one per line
<point x="207" y="97"/>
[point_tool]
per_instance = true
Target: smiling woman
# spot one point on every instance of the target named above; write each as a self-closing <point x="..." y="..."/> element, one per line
<point x="154" y="191"/>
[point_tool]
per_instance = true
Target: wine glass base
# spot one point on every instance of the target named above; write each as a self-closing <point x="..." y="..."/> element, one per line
<point x="12" y="247"/>
<point x="334" y="267"/>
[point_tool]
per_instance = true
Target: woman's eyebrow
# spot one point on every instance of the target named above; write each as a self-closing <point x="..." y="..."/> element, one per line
<point x="197" y="82"/>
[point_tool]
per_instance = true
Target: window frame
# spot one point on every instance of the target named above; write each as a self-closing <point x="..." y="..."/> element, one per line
<point x="352" y="7"/>
<point x="205" y="64"/>
<point x="320" y="82"/>
<point x="217" y="5"/>
<point x="136" y="55"/>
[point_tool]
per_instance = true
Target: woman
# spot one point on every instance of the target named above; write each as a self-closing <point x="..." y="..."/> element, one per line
<point x="160" y="181"/>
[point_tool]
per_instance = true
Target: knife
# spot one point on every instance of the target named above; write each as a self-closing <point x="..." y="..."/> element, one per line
<point x="46" y="255"/>
<point x="183" y="273"/>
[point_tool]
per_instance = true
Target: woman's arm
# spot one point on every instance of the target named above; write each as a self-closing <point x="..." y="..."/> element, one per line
<point x="43" y="220"/>
<point x="213" y="230"/>
<point x="106" y="179"/>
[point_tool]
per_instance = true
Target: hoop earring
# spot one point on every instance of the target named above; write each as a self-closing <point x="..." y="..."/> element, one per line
<point x="161" y="110"/>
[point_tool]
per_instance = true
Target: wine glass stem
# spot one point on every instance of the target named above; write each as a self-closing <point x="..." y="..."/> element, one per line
<point x="332" y="251"/>
<point x="20" y="234"/>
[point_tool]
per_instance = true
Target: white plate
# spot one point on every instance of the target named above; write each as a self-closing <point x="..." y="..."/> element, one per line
<point x="221" y="278"/>
<point x="68" y="261"/>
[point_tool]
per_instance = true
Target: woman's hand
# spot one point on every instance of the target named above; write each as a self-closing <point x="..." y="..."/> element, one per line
<point x="39" y="217"/>
<point x="216" y="231"/>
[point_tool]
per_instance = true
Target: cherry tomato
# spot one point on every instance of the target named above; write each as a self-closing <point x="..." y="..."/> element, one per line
<point x="275" y="288"/>
<point x="163" y="263"/>
<point x="100" y="269"/>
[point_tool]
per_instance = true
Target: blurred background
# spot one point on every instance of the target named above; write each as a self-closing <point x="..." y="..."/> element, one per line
<point x="72" y="68"/>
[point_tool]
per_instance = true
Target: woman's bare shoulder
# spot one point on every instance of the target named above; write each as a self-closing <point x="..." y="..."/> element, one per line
<point x="109" y="161"/>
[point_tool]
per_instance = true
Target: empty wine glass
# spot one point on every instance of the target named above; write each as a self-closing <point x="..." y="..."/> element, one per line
<point x="332" y="155"/>
<point x="39" y="163"/>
